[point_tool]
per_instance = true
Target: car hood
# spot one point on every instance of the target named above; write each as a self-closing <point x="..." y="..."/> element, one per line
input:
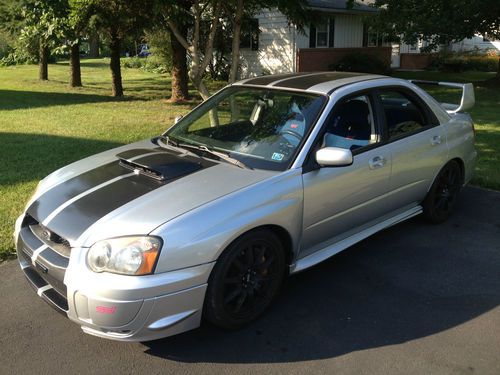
<point x="131" y="190"/>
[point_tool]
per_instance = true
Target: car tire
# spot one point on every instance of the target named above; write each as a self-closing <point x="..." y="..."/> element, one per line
<point x="443" y="194"/>
<point x="245" y="280"/>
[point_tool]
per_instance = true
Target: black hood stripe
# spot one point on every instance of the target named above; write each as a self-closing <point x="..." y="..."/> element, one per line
<point x="71" y="217"/>
<point x="59" y="194"/>
<point x="77" y="217"/>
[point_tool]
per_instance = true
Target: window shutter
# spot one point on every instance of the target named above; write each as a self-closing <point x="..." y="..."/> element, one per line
<point x="255" y="34"/>
<point x="331" y="32"/>
<point x="365" y="35"/>
<point x="312" y="36"/>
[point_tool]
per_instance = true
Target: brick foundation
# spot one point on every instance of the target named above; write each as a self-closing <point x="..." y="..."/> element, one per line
<point x="319" y="59"/>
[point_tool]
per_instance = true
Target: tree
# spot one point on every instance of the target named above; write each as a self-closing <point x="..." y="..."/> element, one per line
<point x="235" y="48"/>
<point x="200" y="54"/>
<point x="75" y="24"/>
<point x="439" y="21"/>
<point x="42" y="28"/>
<point x="116" y="18"/>
<point x="179" y="70"/>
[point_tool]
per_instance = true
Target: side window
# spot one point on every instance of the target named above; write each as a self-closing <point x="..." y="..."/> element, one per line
<point x="352" y="125"/>
<point x="402" y="115"/>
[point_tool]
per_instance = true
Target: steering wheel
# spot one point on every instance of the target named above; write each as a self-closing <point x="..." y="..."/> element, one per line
<point x="292" y="133"/>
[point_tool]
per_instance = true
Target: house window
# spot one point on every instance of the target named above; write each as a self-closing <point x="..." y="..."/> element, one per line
<point x="322" y="35"/>
<point x="372" y="38"/>
<point x="250" y="34"/>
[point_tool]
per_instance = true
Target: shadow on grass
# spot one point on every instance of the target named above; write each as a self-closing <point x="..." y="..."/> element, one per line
<point x="13" y="99"/>
<point x="411" y="281"/>
<point x="30" y="157"/>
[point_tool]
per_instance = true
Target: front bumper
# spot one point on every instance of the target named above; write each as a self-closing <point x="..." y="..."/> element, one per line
<point x="125" y="308"/>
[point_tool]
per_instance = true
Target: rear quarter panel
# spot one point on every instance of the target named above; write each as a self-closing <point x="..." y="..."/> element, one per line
<point x="460" y="139"/>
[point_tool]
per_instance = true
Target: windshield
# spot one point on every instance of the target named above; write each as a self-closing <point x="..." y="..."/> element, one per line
<point x="263" y="128"/>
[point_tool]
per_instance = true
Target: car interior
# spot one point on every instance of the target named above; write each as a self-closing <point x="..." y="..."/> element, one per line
<point x="352" y="125"/>
<point x="402" y="115"/>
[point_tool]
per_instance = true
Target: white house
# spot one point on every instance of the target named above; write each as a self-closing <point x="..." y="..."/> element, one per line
<point x="275" y="46"/>
<point x="278" y="47"/>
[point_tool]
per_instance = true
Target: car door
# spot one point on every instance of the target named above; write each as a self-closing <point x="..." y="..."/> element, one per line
<point x="417" y="145"/>
<point x="339" y="199"/>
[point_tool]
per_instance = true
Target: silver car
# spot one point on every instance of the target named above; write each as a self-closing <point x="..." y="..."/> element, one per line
<point x="267" y="178"/>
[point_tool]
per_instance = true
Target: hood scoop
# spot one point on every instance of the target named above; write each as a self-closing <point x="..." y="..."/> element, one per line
<point x="162" y="167"/>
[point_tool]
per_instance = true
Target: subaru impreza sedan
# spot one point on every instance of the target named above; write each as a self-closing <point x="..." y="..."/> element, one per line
<point x="267" y="178"/>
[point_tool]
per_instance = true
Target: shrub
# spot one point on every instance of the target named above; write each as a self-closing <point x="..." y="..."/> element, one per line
<point x="151" y="64"/>
<point x="361" y="62"/>
<point x="462" y="62"/>
<point x="17" y="58"/>
<point x="132" y="62"/>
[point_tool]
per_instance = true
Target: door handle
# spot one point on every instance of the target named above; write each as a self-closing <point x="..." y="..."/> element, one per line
<point x="377" y="162"/>
<point x="436" y="140"/>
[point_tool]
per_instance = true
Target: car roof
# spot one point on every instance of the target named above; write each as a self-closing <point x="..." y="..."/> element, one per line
<point x="318" y="82"/>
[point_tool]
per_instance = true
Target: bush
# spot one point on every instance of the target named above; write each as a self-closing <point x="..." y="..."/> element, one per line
<point x="16" y="58"/>
<point x="149" y="64"/>
<point x="362" y="63"/>
<point x="462" y="62"/>
<point x="467" y="63"/>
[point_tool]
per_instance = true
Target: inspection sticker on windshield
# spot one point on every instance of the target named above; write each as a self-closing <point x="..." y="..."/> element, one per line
<point x="277" y="156"/>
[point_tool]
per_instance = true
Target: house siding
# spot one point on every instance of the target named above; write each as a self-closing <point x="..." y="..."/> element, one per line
<point x="348" y="31"/>
<point x="276" y="52"/>
<point x="279" y="43"/>
<point x="476" y="43"/>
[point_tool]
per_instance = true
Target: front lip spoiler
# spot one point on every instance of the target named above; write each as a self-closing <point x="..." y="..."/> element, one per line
<point x="45" y="291"/>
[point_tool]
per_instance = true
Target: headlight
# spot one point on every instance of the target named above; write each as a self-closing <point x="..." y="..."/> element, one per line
<point x="125" y="255"/>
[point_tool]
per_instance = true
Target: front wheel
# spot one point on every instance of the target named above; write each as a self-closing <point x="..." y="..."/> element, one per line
<point x="443" y="194"/>
<point x="245" y="280"/>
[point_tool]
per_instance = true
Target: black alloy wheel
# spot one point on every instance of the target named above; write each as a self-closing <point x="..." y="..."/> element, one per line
<point x="443" y="195"/>
<point x="245" y="280"/>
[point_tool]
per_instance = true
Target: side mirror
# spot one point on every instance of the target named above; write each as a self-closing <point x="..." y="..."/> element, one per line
<point x="177" y="119"/>
<point x="333" y="157"/>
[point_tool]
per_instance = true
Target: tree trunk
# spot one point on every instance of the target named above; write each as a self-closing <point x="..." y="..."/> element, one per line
<point x="75" y="79"/>
<point x="43" y="61"/>
<point x="94" y="46"/>
<point x="235" y="56"/>
<point x="179" y="68"/>
<point x="235" y="51"/>
<point x="199" y="59"/>
<point x="116" y="73"/>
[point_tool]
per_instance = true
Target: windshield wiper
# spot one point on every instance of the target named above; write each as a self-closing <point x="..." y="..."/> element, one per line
<point x="196" y="149"/>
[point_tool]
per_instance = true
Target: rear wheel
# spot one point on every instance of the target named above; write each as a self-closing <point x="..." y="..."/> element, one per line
<point x="245" y="280"/>
<point x="443" y="194"/>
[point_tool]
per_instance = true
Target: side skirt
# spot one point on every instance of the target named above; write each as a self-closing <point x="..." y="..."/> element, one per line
<point x="329" y="251"/>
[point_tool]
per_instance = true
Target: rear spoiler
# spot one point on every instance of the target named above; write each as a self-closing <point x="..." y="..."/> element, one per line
<point x="468" y="99"/>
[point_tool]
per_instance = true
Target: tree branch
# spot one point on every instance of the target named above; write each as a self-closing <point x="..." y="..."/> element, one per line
<point x="211" y="38"/>
<point x="179" y="36"/>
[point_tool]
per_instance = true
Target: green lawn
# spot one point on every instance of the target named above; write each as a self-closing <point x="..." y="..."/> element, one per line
<point x="45" y="125"/>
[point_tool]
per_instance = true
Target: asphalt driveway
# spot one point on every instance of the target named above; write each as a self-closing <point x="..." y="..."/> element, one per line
<point x="414" y="299"/>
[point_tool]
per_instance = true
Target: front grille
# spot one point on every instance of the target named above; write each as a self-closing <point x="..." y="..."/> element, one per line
<point x="44" y="257"/>
<point x="51" y="239"/>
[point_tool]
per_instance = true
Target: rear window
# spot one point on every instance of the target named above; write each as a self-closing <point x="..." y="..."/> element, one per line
<point x="402" y="115"/>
